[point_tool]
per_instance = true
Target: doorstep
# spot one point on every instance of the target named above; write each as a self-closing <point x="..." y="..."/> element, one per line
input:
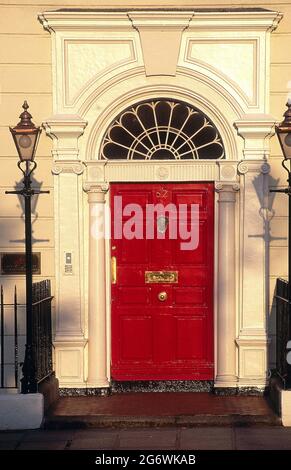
<point x="160" y="409"/>
<point x="281" y="400"/>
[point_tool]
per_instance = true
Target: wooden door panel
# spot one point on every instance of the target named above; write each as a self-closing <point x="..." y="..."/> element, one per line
<point x="136" y="338"/>
<point x="135" y="195"/>
<point x="132" y="296"/>
<point x="190" y="338"/>
<point x="129" y="275"/>
<point x="161" y="254"/>
<point x="133" y="251"/>
<point x="189" y="295"/>
<point x="188" y="197"/>
<point x="193" y="277"/>
<point x="170" y="339"/>
<point x="191" y="257"/>
<point x="164" y="337"/>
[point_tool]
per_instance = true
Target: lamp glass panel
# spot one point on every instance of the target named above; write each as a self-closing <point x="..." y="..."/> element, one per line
<point x="25" y="146"/>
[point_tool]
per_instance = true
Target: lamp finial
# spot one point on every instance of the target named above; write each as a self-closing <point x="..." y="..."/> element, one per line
<point x="25" y="118"/>
<point x="287" y="114"/>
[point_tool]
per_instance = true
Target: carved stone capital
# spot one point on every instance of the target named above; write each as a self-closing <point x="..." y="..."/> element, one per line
<point x="67" y="167"/>
<point x="242" y="168"/>
<point x="96" y="187"/>
<point x="226" y="187"/>
<point x="253" y="167"/>
<point x="96" y="192"/>
<point x="227" y="191"/>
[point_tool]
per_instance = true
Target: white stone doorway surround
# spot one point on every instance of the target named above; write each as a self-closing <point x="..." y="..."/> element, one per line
<point x="86" y="103"/>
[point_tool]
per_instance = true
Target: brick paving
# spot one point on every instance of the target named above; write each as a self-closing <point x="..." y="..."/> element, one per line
<point x="179" y="438"/>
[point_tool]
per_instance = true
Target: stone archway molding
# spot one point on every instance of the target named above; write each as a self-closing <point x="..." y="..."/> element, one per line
<point x="86" y="102"/>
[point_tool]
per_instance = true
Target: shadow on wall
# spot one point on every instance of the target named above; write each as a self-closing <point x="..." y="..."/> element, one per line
<point x="34" y="200"/>
<point x="267" y="213"/>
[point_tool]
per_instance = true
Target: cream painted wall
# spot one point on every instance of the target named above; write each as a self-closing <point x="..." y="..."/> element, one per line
<point x="279" y="78"/>
<point x="25" y="73"/>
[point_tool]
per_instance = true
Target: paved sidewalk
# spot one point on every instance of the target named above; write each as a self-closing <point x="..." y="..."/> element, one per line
<point x="197" y="438"/>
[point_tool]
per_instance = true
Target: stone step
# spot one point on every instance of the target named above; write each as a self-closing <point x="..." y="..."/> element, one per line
<point x="160" y="409"/>
<point x="85" y="422"/>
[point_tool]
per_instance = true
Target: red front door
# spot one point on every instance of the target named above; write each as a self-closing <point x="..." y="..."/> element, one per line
<point x="162" y="293"/>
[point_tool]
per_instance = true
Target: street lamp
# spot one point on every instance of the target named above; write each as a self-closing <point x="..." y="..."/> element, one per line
<point x="283" y="131"/>
<point x="26" y="136"/>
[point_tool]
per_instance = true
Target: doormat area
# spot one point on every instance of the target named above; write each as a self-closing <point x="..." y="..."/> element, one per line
<point x="156" y="386"/>
<point x="162" y="386"/>
<point x="141" y="386"/>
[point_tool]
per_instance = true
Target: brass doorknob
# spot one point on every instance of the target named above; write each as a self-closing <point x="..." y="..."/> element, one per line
<point x="162" y="296"/>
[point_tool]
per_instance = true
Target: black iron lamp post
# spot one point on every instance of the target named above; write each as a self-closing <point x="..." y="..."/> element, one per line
<point x="26" y="136"/>
<point x="283" y="131"/>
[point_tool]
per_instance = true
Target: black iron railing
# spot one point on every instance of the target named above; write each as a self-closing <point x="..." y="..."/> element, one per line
<point x="42" y="329"/>
<point x="9" y="365"/>
<point x="283" y="332"/>
<point x="12" y="338"/>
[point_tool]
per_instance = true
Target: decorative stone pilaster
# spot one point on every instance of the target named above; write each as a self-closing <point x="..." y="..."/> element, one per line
<point x="226" y="375"/>
<point x="252" y="340"/>
<point x="97" y="358"/>
<point x="67" y="169"/>
<point x="252" y="328"/>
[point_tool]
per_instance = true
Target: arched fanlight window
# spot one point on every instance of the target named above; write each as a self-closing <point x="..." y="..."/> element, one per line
<point x="162" y="129"/>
